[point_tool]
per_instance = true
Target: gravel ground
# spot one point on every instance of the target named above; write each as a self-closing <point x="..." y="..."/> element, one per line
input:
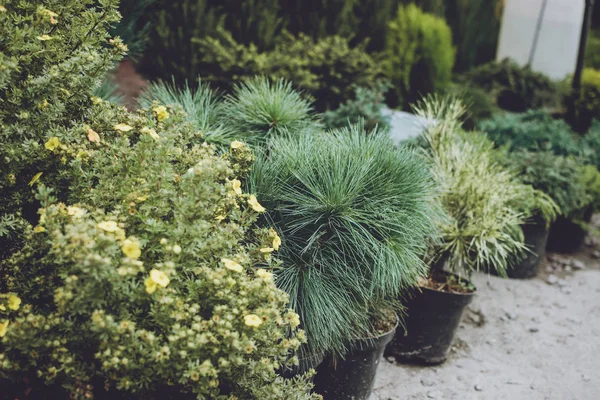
<point x="519" y="339"/>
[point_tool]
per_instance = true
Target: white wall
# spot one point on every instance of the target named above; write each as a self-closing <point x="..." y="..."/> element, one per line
<point x="558" y="42"/>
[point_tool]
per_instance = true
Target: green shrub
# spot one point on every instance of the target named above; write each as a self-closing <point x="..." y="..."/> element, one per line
<point x="143" y="275"/>
<point x="533" y="131"/>
<point x="259" y="109"/>
<point x="326" y="69"/>
<point x="367" y="105"/>
<point x="475" y="28"/>
<point x="130" y="29"/>
<point x="355" y="214"/>
<point x="418" y="56"/>
<point x="557" y="176"/>
<point x="588" y="103"/>
<point x="485" y="202"/>
<point x="515" y="88"/>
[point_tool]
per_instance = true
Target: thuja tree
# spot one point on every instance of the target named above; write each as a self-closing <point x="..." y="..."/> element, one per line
<point x="143" y="274"/>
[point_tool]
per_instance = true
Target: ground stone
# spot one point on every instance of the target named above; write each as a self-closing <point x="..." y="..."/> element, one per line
<point x="552" y="279"/>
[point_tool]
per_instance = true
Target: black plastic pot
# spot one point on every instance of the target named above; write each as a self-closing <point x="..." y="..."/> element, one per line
<point x="536" y="236"/>
<point x="431" y="321"/>
<point x="354" y="377"/>
<point x="567" y="236"/>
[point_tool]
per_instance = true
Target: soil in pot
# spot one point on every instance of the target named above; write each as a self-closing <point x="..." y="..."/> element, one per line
<point x="567" y="236"/>
<point x="353" y="378"/>
<point x="433" y="314"/>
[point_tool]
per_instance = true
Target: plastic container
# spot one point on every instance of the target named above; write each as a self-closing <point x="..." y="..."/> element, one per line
<point x="430" y="325"/>
<point x="536" y="237"/>
<point x="567" y="236"/>
<point x="354" y="377"/>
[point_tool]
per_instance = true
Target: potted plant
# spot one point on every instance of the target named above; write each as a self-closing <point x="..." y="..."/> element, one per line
<point x="354" y="214"/>
<point x="561" y="179"/>
<point x="482" y="231"/>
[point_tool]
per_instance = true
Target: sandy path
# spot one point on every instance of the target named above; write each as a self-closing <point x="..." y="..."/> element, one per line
<point x="537" y="340"/>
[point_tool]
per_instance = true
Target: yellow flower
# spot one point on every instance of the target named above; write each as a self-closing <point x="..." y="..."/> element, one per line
<point x="160" y="278"/>
<point x="52" y="143"/>
<point x="276" y="238"/>
<point x="14" y="302"/>
<point x="93" y="136"/>
<point x="252" y="320"/>
<point x="232" y="265"/>
<point x="177" y="249"/>
<point x="161" y="113"/>
<point x="108" y="226"/>
<point x="2" y="9"/>
<point x="264" y="274"/>
<point x="150" y="286"/>
<point x="255" y="204"/>
<point x="237" y="186"/>
<point x="50" y="14"/>
<point x="151" y="132"/>
<point x="75" y="211"/>
<point x="122" y="127"/>
<point x="35" y="178"/>
<point x="96" y="100"/>
<point x="236" y="144"/>
<point x="44" y="37"/>
<point x="3" y="327"/>
<point x="292" y="318"/>
<point x="43" y="104"/>
<point x="39" y="229"/>
<point x="131" y="248"/>
<point x="267" y="250"/>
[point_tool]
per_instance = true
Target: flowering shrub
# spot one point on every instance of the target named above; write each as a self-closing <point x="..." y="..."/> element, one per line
<point x="142" y="274"/>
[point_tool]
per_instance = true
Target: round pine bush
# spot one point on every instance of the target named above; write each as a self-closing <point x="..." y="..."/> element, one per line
<point x="259" y="109"/>
<point x="355" y="214"/>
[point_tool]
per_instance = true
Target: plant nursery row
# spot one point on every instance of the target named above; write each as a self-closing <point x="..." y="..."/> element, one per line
<point x="247" y="228"/>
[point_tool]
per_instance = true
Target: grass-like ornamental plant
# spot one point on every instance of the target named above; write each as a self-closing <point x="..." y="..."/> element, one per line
<point x="143" y="275"/>
<point x="484" y="201"/>
<point x="354" y="213"/>
<point x="202" y="106"/>
<point x="260" y="108"/>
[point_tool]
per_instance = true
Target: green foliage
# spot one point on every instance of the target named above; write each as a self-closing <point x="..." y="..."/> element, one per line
<point x="355" y="214"/>
<point x="475" y="28"/>
<point x="483" y="199"/>
<point x="559" y="177"/>
<point x="515" y="88"/>
<point x="109" y="90"/>
<point x="367" y="105"/>
<point x="173" y="48"/>
<point x="480" y="104"/>
<point x="590" y="144"/>
<point x="326" y="69"/>
<point x="592" y="52"/>
<point x="418" y="56"/>
<point x="130" y="29"/>
<point x="64" y="51"/>
<point x="202" y="107"/>
<point x="260" y="109"/>
<point x="591" y="179"/>
<point x="533" y="131"/>
<point x="588" y="103"/>
<point x="143" y="275"/>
